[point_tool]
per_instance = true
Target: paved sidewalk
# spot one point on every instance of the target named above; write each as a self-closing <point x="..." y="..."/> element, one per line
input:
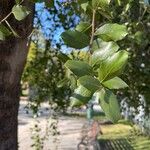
<point x="69" y="127"/>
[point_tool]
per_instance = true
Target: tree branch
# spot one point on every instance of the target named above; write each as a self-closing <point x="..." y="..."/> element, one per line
<point x="93" y="30"/>
<point x="5" y="17"/>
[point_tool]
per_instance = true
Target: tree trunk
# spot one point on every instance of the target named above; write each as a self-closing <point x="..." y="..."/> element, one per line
<point x="13" y="53"/>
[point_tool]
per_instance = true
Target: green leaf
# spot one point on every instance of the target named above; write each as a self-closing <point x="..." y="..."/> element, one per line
<point x="50" y="3"/>
<point x="112" y="32"/>
<point x="83" y="26"/>
<point x="75" y="39"/>
<point x="96" y="44"/>
<point x="84" y="6"/>
<point x="63" y="57"/>
<point x="105" y="50"/>
<point x="82" y="1"/>
<point x="115" y="83"/>
<point x="90" y="83"/>
<point x="20" y="12"/>
<point x="118" y="2"/>
<point x="107" y="14"/>
<point x="104" y="4"/>
<point x="18" y="1"/>
<point x="113" y="66"/>
<point x="62" y="83"/>
<point x="81" y="96"/>
<point x="4" y="32"/>
<point x="79" y="68"/>
<point x="138" y="37"/>
<point x="109" y="104"/>
<point x="73" y="82"/>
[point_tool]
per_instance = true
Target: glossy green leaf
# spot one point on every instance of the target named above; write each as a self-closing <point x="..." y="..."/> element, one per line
<point x="105" y="50"/>
<point x="112" y="32"/>
<point x="79" y="68"/>
<point x="90" y="83"/>
<point x="75" y="39"/>
<point x="115" y="83"/>
<point x="100" y="3"/>
<point x="113" y="66"/>
<point x="4" y="32"/>
<point x="81" y="96"/>
<point x="20" y="12"/>
<point x="109" y="104"/>
<point x="83" y="26"/>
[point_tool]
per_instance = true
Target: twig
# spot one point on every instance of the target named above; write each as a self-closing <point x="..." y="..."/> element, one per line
<point x="93" y="30"/>
<point x="143" y="14"/>
<point x="5" y="18"/>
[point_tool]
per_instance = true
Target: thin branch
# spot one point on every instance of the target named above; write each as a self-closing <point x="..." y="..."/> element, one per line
<point x="5" y="17"/>
<point x="13" y="31"/>
<point x="93" y="30"/>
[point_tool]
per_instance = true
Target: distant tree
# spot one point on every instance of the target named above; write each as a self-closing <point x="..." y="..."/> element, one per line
<point x="45" y="86"/>
<point x="136" y="15"/>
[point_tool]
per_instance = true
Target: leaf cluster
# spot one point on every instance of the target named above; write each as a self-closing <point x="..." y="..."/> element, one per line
<point x="106" y="61"/>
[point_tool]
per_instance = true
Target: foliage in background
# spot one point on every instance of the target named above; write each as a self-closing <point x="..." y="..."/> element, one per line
<point x="39" y="138"/>
<point x="51" y="18"/>
<point x="137" y="16"/>
<point x="42" y="73"/>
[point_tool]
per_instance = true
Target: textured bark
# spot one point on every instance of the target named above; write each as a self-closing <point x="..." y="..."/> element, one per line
<point x="13" y="53"/>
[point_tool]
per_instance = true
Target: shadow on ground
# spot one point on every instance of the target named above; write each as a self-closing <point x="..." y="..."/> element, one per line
<point x="116" y="144"/>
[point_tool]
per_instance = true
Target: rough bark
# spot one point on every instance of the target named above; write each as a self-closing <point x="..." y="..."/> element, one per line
<point x="13" y="53"/>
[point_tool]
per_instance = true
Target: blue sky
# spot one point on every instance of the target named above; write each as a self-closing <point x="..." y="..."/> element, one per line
<point x="48" y="24"/>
